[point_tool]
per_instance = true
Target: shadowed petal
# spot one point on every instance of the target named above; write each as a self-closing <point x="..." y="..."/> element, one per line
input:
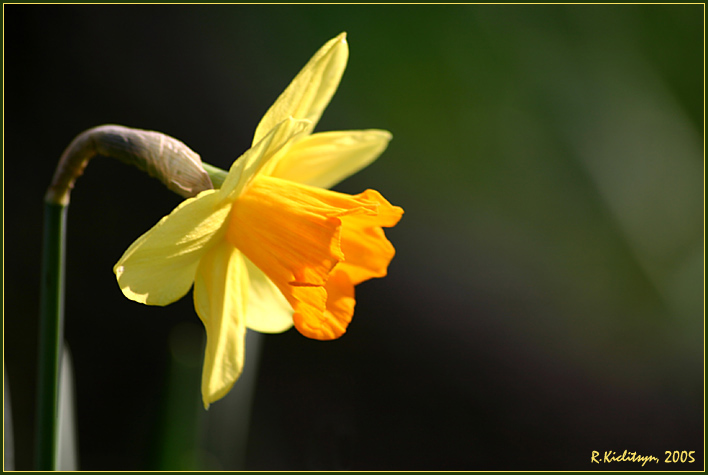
<point x="268" y="311"/>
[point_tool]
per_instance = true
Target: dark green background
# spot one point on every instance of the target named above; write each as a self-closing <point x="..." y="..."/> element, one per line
<point x="546" y="299"/>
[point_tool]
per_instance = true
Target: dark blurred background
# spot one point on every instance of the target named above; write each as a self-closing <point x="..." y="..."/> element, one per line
<point x="546" y="299"/>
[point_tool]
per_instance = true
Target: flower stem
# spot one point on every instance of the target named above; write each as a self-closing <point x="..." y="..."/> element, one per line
<point x="161" y="156"/>
<point x="217" y="175"/>
<point x="50" y="334"/>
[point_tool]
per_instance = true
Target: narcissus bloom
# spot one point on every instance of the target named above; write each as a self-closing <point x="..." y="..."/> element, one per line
<point x="273" y="246"/>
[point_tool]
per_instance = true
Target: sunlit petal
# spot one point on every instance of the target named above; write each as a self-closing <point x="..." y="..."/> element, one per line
<point x="275" y="142"/>
<point x="324" y="159"/>
<point x="158" y="268"/>
<point x="220" y="293"/>
<point x="309" y="93"/>
<point x="367" y="251"/>
<point x="340" y="301"/>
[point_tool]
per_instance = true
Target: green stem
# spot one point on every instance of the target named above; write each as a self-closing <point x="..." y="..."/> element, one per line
<point x="217" y="175"/>
<point x="50" y="334"/>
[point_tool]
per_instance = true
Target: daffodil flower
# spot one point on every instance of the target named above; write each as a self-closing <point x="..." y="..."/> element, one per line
<point x="272" y="247"/>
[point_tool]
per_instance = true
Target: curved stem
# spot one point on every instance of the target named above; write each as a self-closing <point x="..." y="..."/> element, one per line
<point x="162" y="157"/>
<point x="169" y="160"/>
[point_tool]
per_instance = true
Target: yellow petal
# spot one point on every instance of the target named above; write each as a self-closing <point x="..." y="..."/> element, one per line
<point x="220" y="293"/>
<point x="309" y="93"/>
<point x="275" y="142"/>
<point x="158" y="268"/>
<point x="268" y="311"/>
<point x="325" y="159"/>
